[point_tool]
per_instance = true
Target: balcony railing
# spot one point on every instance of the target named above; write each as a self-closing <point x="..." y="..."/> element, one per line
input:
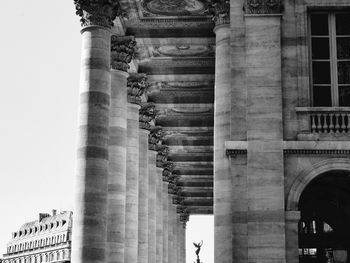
<point x="324" y="120"/>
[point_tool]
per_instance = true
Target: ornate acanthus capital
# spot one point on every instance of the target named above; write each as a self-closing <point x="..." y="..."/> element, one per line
<point x="147" y="115"/>
<point x="263" y="7"/>
<point x="162" y="155"/>
<point x="155" y="137"/>
<point x="184" y="215"/>
<point x="220" y="9"/>
<point x="137" y="84"/>
<point x="97" y="12"/>
<point x="168" y="170"/>
<point x="123" y="50"/>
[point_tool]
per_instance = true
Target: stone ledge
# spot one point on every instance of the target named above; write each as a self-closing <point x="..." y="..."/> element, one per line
<point x="234" y="148"/>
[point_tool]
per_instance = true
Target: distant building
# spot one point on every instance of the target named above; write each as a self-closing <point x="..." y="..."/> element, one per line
<point x="47" y="239"/>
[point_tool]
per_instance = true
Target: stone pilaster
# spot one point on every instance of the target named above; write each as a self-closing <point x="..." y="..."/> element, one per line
<point x="222" y="108"/>
<point x="265" y="171"/>
<point x="152" y="195"/>
<point x="90" y="212"/>
<point x="159" y="215"/>
<point x="117" y="152"/>
<point x="170" y="230"/>
<point x="292" y="238"/>
<point x="165" y="221"/>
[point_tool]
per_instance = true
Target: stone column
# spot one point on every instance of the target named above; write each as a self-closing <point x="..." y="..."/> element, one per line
<point x="292" y="236"/>
<point x="143" y="198"/>
<point x="170" y="231"/>
<point x="132" y="180"/>
<point x="90" y="212"/>
<point x="143" y="186"/>
<point x="222" y="110"/>
<point x="159" y="215"/>
<point x="117" y="149"/>
<point x="165" y="222"/>
<point x="152" y="245"/>
<point x="265" y="171"/>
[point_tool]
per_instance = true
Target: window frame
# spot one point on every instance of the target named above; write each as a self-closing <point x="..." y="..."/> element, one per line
<point x="333" y="58"/>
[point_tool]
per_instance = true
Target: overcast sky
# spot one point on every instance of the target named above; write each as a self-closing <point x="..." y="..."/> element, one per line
<point x="39" y="84"/>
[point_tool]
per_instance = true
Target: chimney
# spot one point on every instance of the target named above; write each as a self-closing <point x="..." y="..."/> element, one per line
<point x="54" y="212"/>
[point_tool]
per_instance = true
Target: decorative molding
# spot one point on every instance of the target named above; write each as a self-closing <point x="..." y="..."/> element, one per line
<point x="234" y="152"/>
<point x="220" y="9"/>
<point x="147" y="115"/>
<point x="318" y="151"/>
<point x="123" y="50"/>
<point x="137" y="84"/>
<point x="183" y="51"/>
<point x="97" y="13"/>
<point x="262" y="7"/>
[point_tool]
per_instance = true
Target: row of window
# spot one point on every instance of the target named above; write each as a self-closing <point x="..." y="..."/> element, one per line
<point x="313" y="227"/>
<point x="39" y="228"/>
<point x="37" y="243"/>
<point x="45" y="257"/>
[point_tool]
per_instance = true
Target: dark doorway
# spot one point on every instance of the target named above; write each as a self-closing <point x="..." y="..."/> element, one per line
<point x="324" y="227"/>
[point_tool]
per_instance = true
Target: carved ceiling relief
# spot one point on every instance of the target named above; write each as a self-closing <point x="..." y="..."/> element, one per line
<point x="152" y="8"/>
<point x="263" y="7"/>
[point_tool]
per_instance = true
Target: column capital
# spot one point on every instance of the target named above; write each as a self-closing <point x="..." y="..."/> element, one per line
<point x="97" y="12"/>
<point x="162" y="155"/>
<point x="168" y="170"/>
<point x="147" y="115"/>
<point x="220" y="9"/>
<point x="123" y="50"/>
<point x="155" y="137"/>
<point x="262" y="7"/>
<point x="172" y="187"/>
<point x="137" y="84"/>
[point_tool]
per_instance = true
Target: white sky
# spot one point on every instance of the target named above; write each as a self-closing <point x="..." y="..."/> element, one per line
<point x="39" y="84"/>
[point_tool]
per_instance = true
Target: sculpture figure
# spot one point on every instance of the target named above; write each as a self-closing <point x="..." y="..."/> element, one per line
<point x="198" y="246"/>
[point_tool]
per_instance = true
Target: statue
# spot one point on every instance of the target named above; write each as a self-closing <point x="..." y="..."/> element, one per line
<point x="198" y="246"/>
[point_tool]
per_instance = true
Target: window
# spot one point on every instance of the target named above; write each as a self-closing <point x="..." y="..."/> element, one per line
<point x="330" y="58"/>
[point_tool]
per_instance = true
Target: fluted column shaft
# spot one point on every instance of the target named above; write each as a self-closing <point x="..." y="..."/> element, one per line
<point x="90" y="213"/>
<point x="152" y="246"/>
<point x="132" y="184"/>
<point x="159" y="216"/>
<point x="165" y="222"/>
<point x="143" y="198"/>
<point x="222" y="174"/>
<point x="117" y="167"/>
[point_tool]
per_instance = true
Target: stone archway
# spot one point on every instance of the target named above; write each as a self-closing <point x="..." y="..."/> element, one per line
<point x="306" y="176"/>
<point x="307" y="193"/>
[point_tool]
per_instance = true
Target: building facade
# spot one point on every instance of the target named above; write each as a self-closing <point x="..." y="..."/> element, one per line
<point x="47" y="239"/>
<point x="237" y="108"/>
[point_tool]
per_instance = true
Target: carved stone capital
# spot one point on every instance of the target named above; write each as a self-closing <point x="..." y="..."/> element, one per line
<point x="147" y="114"/>
<point x="184" y="217"/>
<point x="263" y="7"/>
<point x="123" y="50"/>
<point x="220" y="9"/>
<point x="162" y="155"/>
<point x="137" y="84"/>
<point x="97" y="12"/>
<point x="168" y="170"/>
<point x="155" y="138"/>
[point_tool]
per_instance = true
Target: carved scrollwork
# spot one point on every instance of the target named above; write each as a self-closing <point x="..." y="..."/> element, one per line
<point x="137" y="85"/>
<point x="155" y="137"/>
<point x="147" y="114"/>
<point x="123" y="50"/>
<point x="97" y="12"/>
<point x="263" y="7"/>
<point x="220" y="9"/>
